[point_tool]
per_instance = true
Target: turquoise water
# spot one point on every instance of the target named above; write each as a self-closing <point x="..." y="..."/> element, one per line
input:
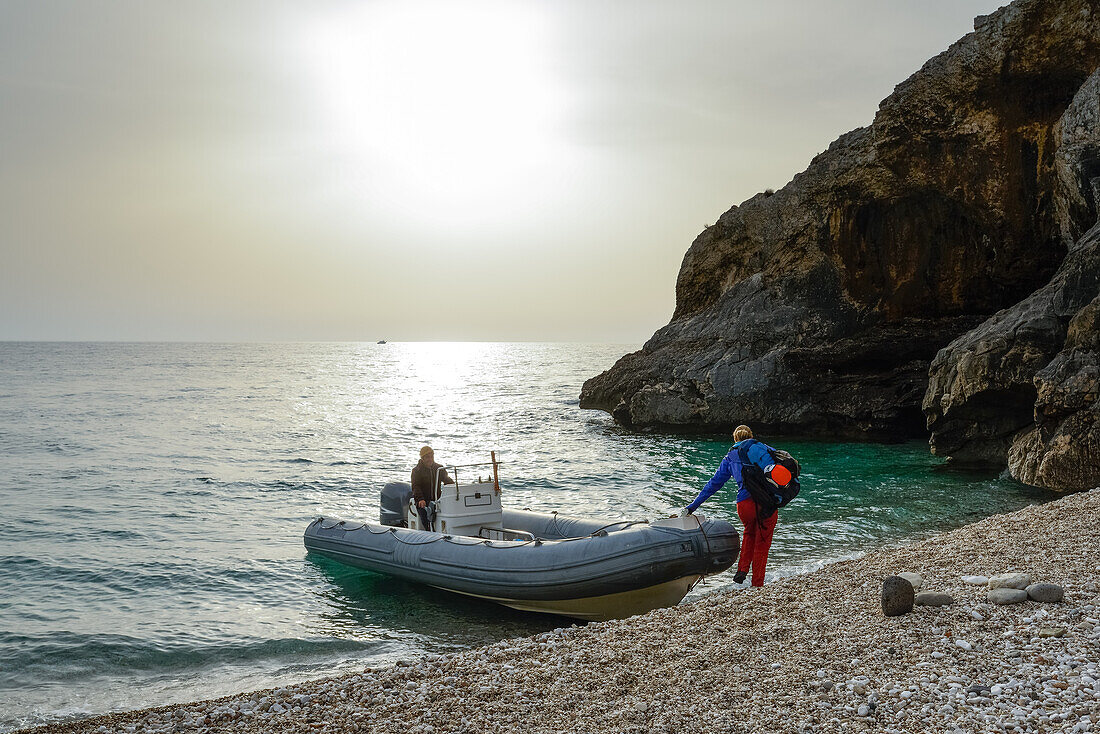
<point x="155" y="495"/>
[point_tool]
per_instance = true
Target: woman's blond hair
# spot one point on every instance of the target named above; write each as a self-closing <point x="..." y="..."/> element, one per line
<point x="741" y="433"/>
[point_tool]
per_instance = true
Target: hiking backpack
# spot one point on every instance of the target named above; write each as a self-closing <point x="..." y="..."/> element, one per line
<point x="767" y="495"/>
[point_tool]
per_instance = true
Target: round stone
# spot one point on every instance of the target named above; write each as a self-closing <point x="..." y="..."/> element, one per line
<point x="1002" y="595"/>
<point x="1047" y="593"/>
<point x="933" y="599"/>
<point x="975" y="580"/>
<point x="913" y="578"/>
<point x="897" y="596"/>
<point x="1009" y="581"/>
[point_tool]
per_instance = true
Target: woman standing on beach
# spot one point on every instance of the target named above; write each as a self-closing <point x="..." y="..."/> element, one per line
<point x="757" y="538"/>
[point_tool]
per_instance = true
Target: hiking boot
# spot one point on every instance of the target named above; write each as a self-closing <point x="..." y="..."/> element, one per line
<point x="739" y="577"/>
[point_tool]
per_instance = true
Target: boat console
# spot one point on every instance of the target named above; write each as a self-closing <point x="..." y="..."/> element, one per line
<point x="469" y="507"/>
<point x="463" y="509"/>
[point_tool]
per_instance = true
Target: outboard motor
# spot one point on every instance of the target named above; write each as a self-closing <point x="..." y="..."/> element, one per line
<point x="394" y="504"/>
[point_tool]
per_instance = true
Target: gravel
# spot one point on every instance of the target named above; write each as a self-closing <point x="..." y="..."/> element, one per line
<point x="804" y="654"/>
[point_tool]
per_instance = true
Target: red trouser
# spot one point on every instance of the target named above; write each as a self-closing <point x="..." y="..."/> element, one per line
<point x="756" y="541"/>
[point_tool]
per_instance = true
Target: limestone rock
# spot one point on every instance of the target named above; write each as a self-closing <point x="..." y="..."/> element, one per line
<point x="897" y="596"/>
<point x="1047" y="593"/>
<point x="913" y="578"/>
<point x="1004" y="595"/>
<point x="819" y="308"/>
<point x="1010" y="581"/>
<point x="1061" y="450"/>
<point x="933" y="599"/>
<point x="1021" y="387"/>
<point x="975" y="580"/>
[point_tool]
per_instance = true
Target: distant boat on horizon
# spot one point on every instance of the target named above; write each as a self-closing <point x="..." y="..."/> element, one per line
<point x="381" y="341"/>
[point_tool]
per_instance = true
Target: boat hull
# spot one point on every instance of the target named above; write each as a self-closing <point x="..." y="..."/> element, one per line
<point x="607" y="606"/>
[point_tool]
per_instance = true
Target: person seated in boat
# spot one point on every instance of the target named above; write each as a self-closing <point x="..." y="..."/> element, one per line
<point x="757" y="538"/>
<point x="427" y="477"/>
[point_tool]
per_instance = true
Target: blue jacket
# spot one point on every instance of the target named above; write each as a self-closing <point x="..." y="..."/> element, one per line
<point x="731" y="467"/>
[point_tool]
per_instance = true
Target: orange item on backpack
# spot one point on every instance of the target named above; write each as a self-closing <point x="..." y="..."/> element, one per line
<point x="781" y="475"/>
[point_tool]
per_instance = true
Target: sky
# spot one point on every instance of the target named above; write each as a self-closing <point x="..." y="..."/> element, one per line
<point x="410" y="170"/>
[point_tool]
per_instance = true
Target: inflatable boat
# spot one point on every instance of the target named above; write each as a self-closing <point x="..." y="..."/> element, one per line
<point x="533" y="561"/>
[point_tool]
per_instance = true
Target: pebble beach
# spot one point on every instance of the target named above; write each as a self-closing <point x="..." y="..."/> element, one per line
<point x="803" y="654"/>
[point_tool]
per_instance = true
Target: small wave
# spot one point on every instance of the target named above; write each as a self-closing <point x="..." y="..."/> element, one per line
<point x="282" y="485"/>
<point x="255" y="581"/>
<point x="190" y="492"/>
<point x="69" y="655"/>
<point x="299" y="460"/>
<point x="59" y="447"/>
<point x="68" y="575"/>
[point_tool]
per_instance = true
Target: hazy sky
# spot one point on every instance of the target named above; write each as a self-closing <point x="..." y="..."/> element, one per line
<point x="260" y="170"/>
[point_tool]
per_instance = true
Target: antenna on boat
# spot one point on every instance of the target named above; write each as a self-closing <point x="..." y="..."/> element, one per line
<point x="496" y="481"/>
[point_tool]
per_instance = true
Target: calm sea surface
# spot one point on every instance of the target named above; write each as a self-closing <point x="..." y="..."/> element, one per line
<point x="154" y="496"/>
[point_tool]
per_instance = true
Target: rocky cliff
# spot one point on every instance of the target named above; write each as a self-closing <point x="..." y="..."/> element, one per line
<point x="820" y="309"/>
<point x="1023" y="384"/>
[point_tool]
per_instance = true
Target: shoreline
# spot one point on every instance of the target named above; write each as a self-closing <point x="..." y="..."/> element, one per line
<point x="811" y="652"/>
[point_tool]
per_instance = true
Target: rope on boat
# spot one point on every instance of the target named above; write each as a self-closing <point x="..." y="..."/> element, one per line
<point x="703" y="577"/>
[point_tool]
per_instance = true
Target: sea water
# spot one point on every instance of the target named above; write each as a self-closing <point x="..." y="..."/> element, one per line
<point x="153" y="499"/>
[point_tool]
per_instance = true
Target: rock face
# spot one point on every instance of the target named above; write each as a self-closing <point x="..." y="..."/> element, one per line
<point x="1024" y="383"/>
<point x="1062" y="449"/>
<point x="818" y="309"/>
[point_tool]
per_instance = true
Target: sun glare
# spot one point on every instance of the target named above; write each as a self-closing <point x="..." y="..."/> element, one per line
<point x="452" y="106"/>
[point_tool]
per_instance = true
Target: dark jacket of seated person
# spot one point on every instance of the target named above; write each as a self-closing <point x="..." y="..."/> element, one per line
<point x="426" y="483"/>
